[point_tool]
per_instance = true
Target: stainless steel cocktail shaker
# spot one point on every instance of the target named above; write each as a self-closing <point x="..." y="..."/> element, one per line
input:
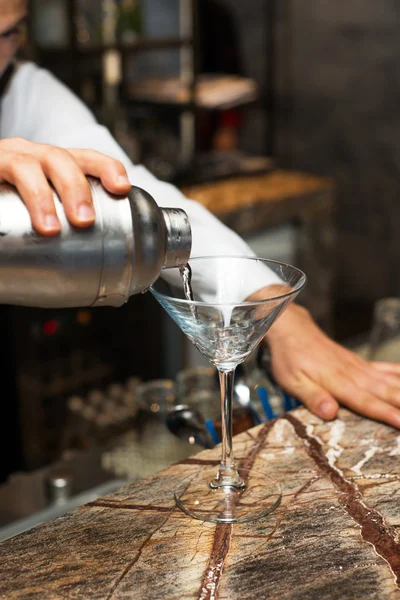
<point x="122" y="254"/>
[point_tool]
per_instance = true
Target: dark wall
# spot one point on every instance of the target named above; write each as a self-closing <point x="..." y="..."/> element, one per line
<point x="251" y="20"/>
<point x="338" y="101"/>
<point x="337" y="76"/>
<point x="343" y="92"/>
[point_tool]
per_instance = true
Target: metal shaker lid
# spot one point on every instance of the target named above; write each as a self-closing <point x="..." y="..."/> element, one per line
<point x="179" y="237"/>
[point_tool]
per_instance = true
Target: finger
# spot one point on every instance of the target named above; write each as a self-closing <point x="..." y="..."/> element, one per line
<point x="384" y="385"/>
<point x="387" y="367"/>
<point x="367" y="403"/>
<point x="387" y="387"/>
<point x="390" y="378"/>
<point x="317" y="400"/>
<point x="111" y="172"/>
<point x="71" y="184"/>
<point x="17" y="144"/>
<point x="25" y="172"/>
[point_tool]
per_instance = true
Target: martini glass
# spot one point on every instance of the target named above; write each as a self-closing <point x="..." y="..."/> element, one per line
<point x="226" y="328"/>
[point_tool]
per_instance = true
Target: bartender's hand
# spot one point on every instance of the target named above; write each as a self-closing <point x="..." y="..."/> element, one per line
<point x="30" y="167"/>
<point x="322" y="374"/>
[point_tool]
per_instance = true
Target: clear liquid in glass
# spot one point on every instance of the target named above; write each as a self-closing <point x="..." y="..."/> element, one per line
<point x="186" y="274"/>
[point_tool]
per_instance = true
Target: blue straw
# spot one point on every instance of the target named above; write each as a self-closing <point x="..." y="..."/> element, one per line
<point x="262" y="394"/>
<point x="287" y="402"/>
<point x="212" y="431"/>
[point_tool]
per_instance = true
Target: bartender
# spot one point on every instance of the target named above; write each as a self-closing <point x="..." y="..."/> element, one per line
<point x="47" y="134"/>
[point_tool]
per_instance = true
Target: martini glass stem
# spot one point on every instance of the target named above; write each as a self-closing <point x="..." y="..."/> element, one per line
<point x="228" y="475"/>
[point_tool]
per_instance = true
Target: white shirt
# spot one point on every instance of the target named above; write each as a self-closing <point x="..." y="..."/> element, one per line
<point x="38" y="107"/>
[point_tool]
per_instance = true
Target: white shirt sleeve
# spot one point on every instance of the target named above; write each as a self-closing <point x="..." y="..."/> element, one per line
<point x="40" y="108"/>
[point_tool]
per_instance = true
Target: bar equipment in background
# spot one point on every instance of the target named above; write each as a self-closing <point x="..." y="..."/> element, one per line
<point x="55" y="360"/>
<point x="159" y="447"/>
<point x="188" y="424"/>
<point x="100" y="416"/>
<point x="112" y="56"/>
<point x="156" y="397"/>
<point x="200" y="92"/>
<point x="59" y="486"/>
<point x="384" y="343"/>
<point x="198" y="388"/>
<point x="254" y="389"/>
<point x="149" y="446"/>
<point x="119" y="22"/>
<point x="188" y="407"/>
<point x="256" y="396"/>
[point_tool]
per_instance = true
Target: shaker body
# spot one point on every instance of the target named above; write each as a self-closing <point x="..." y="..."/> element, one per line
<point x="121" y="254"/>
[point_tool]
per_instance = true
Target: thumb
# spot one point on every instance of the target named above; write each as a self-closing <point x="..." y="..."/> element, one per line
<point x="317" y="400"/>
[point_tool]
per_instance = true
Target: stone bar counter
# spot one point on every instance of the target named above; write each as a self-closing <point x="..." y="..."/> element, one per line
<point x="335" y="534"/>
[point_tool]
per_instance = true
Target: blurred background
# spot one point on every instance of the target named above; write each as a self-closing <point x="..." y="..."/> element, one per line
<point x="322" y="85"/>
<point x="281" y="117"/>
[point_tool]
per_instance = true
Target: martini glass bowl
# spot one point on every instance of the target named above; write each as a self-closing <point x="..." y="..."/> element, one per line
<point x="226" y="318"/>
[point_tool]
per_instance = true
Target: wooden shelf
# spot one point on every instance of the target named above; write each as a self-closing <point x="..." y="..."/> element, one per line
<point x="211" y="92"/>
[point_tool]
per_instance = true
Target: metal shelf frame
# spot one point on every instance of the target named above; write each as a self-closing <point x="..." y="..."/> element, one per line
<point x="188" y="44"/>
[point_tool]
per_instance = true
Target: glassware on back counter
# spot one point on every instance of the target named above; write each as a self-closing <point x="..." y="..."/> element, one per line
<point x="148" y="446"/>
<point x="384" y="343"/>
<point x="256" y="388"/>
<point x="159" y="448"/>
<point x="156" y="397"/>
<point x="198" y="387"/>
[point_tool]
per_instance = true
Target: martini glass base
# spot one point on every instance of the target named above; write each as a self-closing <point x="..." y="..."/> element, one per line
<point x="226" y="504"/>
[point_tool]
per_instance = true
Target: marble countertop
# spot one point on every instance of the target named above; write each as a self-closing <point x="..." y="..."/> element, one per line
<point x="334" y="536"/>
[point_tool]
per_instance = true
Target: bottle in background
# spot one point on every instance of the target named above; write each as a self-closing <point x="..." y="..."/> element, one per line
<point x="384" y="344"/>
<point x="129" y="21"/>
